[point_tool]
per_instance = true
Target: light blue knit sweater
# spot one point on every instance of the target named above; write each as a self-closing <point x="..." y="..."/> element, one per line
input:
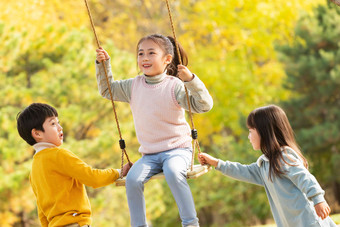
<point x="292" y="197"/>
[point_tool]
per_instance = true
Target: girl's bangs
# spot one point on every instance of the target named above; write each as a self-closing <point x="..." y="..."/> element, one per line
<point x="250" y="120"/>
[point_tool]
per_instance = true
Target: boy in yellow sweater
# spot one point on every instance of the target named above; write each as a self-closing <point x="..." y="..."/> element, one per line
<point x="58" y="177"/>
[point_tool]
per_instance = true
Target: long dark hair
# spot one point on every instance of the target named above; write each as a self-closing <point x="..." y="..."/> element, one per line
<point x="168" y="45"/>
<point x="275" y="131"/>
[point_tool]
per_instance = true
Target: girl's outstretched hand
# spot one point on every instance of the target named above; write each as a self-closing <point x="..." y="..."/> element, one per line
<point x="204" y="159"/>
<point x="322" y="210"/>
<point x="102" y="55"/>
<point x="184" y="73"/>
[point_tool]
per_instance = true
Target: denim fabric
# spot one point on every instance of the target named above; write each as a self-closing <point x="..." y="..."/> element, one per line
<point x="174" y="163"/>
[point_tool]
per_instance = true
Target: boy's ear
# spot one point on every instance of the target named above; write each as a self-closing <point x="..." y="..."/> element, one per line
<point x="36" y="134"/>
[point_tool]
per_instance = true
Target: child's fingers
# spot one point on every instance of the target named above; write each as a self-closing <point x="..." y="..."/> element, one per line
<point x="323" y="215"/>
<point x="102" y="51"/>
<point x="202" y="161"/>
<point x="326" y="213"/>
<point x="322" y="210"/>
<point x="202" y="158"/>
<point x="101" y="54"/>
<point x="101" y="57"/>
<point x="181" y="68"/>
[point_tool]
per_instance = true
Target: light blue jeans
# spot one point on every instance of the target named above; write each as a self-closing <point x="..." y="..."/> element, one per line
<point x="174" y="163"/>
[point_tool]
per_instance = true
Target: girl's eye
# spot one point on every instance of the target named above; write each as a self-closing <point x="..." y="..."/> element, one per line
<point x="140" y="54"/>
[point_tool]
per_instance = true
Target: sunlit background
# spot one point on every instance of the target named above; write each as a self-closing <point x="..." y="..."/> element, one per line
<point x="248" y="53"/>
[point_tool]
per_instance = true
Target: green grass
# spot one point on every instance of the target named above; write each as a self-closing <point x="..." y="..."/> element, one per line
<point x="335" y="218"/>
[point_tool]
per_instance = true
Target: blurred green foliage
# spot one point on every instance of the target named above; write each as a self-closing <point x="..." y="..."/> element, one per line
<point x="313" y="75"/>
<point x="47" y="54"/>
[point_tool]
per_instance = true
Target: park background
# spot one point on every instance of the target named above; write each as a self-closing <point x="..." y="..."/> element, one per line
<point x="248" y="53"/>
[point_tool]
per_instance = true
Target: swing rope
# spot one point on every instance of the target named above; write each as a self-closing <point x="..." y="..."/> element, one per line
<point x="193" y="131"/>
<point x="121" y="141"/>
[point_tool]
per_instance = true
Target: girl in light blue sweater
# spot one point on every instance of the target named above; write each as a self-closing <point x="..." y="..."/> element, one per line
<point x="295" y="196"/>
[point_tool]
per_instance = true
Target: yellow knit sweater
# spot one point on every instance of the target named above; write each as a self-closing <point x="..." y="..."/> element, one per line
<point x="58" y="179"/>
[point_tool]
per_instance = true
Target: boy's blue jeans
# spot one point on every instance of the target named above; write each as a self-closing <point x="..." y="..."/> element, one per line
<point x="174" y="163"/>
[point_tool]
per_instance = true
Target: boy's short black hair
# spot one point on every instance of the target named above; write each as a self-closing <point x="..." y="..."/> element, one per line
<point x="33" y="117"/>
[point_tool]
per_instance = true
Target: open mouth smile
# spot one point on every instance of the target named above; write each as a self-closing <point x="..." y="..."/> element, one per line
<point x="146" y="65"/>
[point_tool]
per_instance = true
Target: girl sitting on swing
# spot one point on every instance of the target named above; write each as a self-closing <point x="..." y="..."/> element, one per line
<point x="158" y="100"/>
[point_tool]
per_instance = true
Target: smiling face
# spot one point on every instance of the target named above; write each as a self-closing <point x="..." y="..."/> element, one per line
<point x="53" y="132"/>
<point x="151" y="58"/>
<point x="254" y="139"/>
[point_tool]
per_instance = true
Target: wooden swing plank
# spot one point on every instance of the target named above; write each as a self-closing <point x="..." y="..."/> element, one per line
<point x="198" y="170"/>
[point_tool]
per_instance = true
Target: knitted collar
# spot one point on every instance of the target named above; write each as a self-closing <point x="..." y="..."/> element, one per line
<point x="41" y="146"/>
<point x="261" y="159"/>
<point x="155" y="79"/>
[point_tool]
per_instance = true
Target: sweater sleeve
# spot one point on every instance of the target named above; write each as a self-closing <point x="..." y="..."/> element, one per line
<point x="199" y="97"/>
<point x="247" y="173"/>
<point x="121" y="89"/>
<point x="69" y="164"/>
<point x="302" y="178"/>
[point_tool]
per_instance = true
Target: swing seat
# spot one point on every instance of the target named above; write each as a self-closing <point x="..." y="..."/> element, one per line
<point x="198" y="170"/>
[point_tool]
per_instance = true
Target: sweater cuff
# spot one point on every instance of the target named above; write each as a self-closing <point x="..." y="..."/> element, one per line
<point x="100" y="68"/>
<point x="119" y="172"/>
<point x="107" y="63"/>
<point x="219" y="164"/>
<point x="318" y="199"/>
<point x="192" y="82"/>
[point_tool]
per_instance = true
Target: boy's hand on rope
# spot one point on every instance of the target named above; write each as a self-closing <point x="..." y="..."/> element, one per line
<point x="322" y="210"/>
<point x="102" y="55"/>
<point x="126" y="169"/>
<point x="204" y="159"/>
<point x="184" y="73"/>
